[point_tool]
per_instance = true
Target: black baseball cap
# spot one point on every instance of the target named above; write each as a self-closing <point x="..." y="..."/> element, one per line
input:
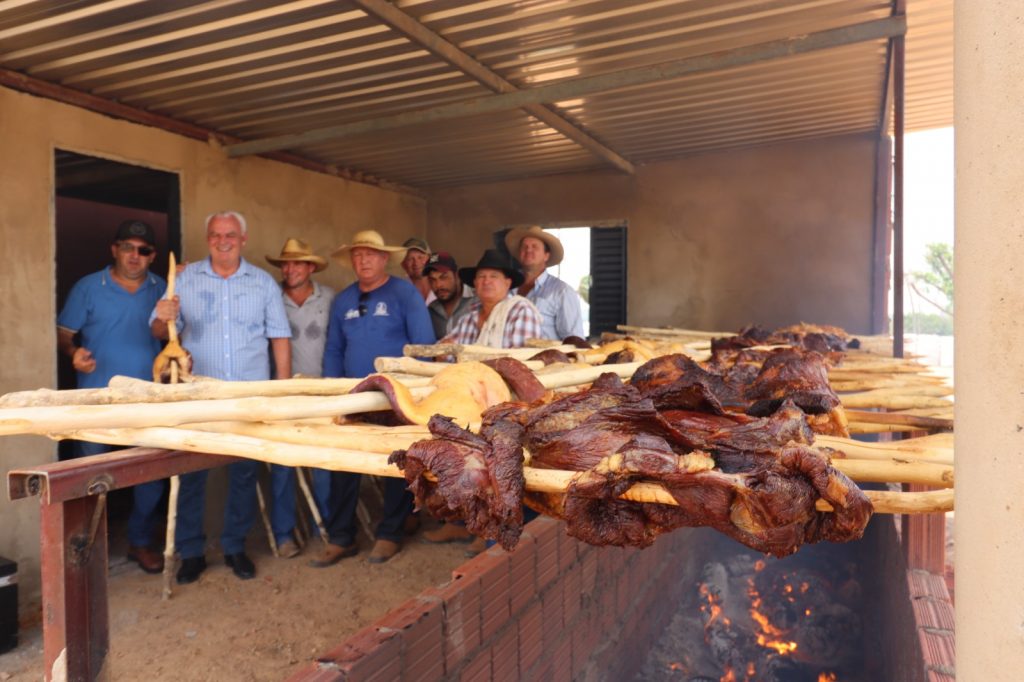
<point x="135" y="229"/>
<point x="441" y="261"/>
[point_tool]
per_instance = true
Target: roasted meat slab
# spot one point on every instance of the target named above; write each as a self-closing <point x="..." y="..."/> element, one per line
<point x="754" y="479"/>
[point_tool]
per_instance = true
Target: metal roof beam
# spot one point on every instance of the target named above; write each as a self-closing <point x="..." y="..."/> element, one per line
<point x="579" y="87"/>
<point x="449" y="52"/>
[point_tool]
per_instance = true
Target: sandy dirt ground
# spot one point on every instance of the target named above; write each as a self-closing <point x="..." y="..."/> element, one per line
<point x="223" y="628"/>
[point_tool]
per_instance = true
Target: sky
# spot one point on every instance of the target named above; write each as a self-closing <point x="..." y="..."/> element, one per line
<point x="927" y="194"/>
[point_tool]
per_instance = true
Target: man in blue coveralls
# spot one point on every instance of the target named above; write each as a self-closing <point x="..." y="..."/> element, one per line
<point x="226" y="310"/>
<point x="375" y="316"/>
<point x="109" y="312"/>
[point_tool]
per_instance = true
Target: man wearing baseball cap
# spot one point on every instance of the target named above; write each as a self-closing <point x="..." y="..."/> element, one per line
<point x="108" y="313"/>
<point x="417" y="251"/>
<point x="451" y="298"/>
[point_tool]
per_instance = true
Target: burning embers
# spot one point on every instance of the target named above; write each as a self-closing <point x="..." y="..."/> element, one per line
<point x="791" y="620"/>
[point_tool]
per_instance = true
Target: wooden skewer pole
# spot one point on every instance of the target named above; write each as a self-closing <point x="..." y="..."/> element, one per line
<point x="334" y="459"/>
<point x="300" y="474"/>
<point x="937" y="448"/>
<point x="915" y="421"/>
<point x="170" y="553"/>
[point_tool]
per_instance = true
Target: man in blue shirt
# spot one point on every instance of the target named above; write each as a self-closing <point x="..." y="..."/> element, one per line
<point x="375" y="316"/>
<point x="226" y="310"/>
<point x="109" y="312"/>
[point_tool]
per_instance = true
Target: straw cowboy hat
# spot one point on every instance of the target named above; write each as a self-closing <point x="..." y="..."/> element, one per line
<point x="297" y="250"/>
<point x="369" y="239"/>
<point x="495" y="261"/>
<point x="516" y="236"/>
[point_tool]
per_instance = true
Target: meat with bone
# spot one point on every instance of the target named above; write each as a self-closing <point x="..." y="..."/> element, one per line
<point x="675" y="382"/>
<point x="809" y="337"/>
<point x="476" y="478"/>
<point x="614" y="437"/>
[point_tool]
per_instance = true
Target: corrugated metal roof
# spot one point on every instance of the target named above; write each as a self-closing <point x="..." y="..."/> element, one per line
<point x="258" y="69"/>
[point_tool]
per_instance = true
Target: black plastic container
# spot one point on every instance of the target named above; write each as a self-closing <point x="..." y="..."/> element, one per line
<point x="8" y="605"/>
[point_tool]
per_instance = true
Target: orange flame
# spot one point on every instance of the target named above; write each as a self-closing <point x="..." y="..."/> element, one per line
<point x="714" y="606"/>
<point x="770" y="637"/>
<point x="827" y="677"/>
<point x="759" y="565"/>
<point x="676" y="666"/>
<point x="729" y="676"/>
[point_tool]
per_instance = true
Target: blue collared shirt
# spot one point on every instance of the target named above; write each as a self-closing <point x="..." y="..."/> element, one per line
<point x="225" y="323"/>
<point x="378" y="323"/>
<point x="559" y="306"/>
<point x="114" y="326"/>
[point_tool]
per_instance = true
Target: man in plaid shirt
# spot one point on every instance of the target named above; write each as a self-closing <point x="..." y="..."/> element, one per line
<point x="496" y="318"/>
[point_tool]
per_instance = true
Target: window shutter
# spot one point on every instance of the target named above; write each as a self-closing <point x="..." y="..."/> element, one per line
<point x="608" y="278"/>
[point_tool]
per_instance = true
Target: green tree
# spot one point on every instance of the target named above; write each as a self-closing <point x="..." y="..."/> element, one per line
<point x="584" y="288"/>
<point x="935" y="286"/>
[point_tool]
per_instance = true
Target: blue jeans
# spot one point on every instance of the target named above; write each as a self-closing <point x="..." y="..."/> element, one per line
<point x="344" y="497"/>
<point x="282" y="510"/>
<point x="239" y="513"/>
<point x="146" y="500"/>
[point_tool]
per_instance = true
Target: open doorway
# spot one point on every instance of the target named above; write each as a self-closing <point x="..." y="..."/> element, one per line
<point x="595" y="266"/>
<point x="93" y="196"/>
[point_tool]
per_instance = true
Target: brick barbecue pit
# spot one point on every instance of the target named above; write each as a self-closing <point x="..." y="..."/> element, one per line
<point x="558" y="609"/>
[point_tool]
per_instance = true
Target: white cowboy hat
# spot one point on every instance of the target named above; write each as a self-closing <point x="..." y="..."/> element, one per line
<point x="516" y="236"/>
<point x="297" y="250"/>
<point x="369" y="239"/>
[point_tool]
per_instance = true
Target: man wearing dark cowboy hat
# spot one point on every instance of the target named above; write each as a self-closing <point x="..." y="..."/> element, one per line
<point x="497" y="318"/>
<point x="451" y="299"/>
<point x="307" y="305"/>
<point x="558" y="303"/>
<point x="109" y="311"/>
<point x="376" y="315"/>
<point x="417" y="251"/>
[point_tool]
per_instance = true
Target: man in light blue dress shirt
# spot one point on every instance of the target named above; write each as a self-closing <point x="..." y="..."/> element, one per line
<point x="559" y="304"/>
<point x="226" y="310"/>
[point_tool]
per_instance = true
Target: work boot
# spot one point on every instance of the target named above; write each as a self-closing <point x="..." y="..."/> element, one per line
<point x="449" y="532"/>
<point x="288" y="549"/>
<point x="478" y="545"/>
<point x="332" y="554"/>
<point x="148" y="560"/>
<point x="384" y="550"/>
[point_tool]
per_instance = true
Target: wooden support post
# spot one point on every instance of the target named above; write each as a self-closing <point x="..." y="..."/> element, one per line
<point x="73" y="562"/>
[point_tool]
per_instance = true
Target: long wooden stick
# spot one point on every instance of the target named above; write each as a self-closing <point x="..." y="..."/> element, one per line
<point x="170" y="549"/>
<point x="300" y="474"/>
<point x="130" y="390"/>
<point x="937" y="448"/>
<point x="914" y="421"/>
<point x="337" y="459"/>
<point x="42" y="420"/>
<point x="477" y="352"/>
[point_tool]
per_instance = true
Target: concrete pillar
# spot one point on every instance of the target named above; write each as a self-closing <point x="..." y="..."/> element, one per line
<point x="989" y="330"/>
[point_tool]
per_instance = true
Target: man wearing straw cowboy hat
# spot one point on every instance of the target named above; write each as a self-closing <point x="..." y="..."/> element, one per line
<point x="308" y="306"/>
<point x="228" y="310"/>
<point x="377" y="315"/>
<point x="558" y="303"/>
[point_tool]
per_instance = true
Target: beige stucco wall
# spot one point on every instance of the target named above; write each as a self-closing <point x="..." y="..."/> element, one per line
<point x="989" y="248"/>
<point x="279" y="200"/>
<point x="772" y="235"/>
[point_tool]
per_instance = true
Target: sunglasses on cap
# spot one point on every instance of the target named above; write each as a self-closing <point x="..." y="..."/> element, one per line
<point x="128" y="247"/>
<point x="363" y="297"/>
